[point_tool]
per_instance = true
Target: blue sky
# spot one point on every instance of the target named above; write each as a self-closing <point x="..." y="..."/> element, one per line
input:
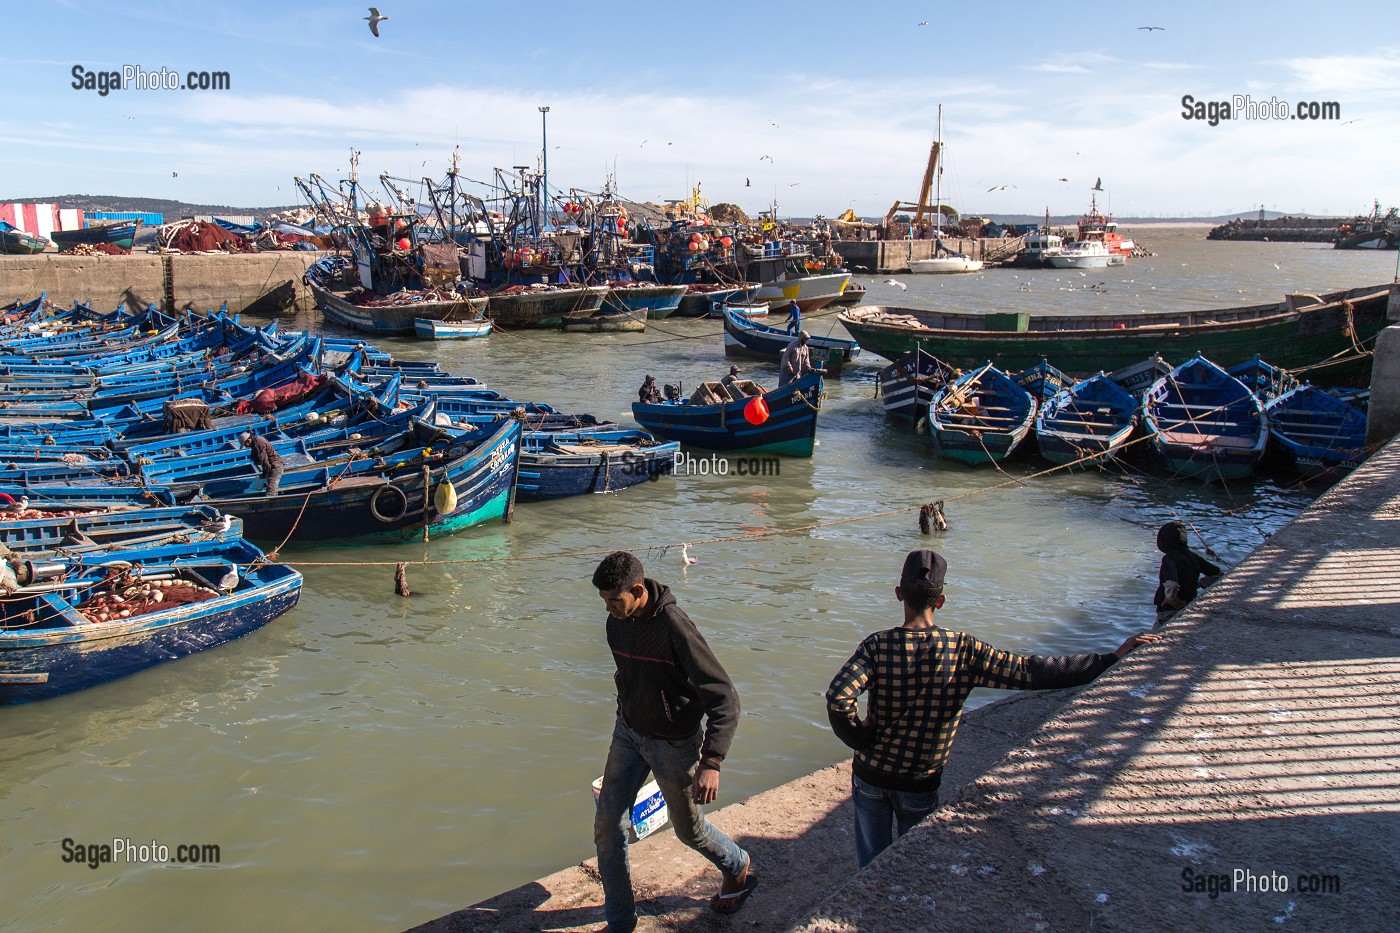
<point x="842" y="98"/>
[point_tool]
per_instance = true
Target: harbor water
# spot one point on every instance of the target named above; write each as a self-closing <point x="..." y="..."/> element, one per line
<point x="369" y="761"/>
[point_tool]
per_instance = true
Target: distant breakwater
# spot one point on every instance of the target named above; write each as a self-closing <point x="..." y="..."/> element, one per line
<point x="1279" y="230"/>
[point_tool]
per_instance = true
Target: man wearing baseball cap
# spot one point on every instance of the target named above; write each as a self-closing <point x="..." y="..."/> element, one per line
<point x="918" y="676"/>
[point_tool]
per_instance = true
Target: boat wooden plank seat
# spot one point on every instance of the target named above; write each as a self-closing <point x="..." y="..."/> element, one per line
<point x="1066" y="424"/>
<point x="1222" y="406"/>
<point x="1166" y="424"/>
<point x="1312" y="435"/>
<point x="591" y="449"/>
<point x="977" y="421"/>
<point x="1214" y="440"/>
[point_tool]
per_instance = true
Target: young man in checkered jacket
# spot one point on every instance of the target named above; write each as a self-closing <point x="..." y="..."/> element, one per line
<point x="918" y="677"/>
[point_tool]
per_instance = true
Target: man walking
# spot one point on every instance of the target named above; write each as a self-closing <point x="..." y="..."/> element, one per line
<point x="918" y="677"/>
<point x="667" y="680"/>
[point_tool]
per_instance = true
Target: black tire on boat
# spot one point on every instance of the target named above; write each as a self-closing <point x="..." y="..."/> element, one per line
<point x="397" y="506"/>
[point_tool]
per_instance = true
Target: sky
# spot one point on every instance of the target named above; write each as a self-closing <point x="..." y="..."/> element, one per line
<point x="1044" y="99"/>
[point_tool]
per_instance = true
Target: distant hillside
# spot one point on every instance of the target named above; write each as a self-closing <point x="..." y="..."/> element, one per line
<point x="173" y="210"/>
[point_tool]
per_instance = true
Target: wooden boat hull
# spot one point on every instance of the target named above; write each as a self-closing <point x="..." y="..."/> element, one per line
<point x="119" y="234"/>
<point x="908" y="385"/>
<point x="556" y="466"/>
<point x="545" y="309"/>
<point x="1085" y="344"/>
<point x="791" y="427"/>
<point x="1002" y="419"/>
<point x="1088" y="423"/>
<point x="426" y="329"/>
<point x="1205" y="423"/>
<point x="390" y="320"/>
<point x="40" y="663"/>
<point x="748" y="339"/>
<point x="697" y="304"/>
<point x="811" y="292"/>
<point x="1317" y="430"/>
<point x="362" y="510"/>
<point x="651" y="302"/>
<point x="19" y="243"/>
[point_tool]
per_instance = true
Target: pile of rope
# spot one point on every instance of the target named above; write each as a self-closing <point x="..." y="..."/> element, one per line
<point x="95" y="249"/>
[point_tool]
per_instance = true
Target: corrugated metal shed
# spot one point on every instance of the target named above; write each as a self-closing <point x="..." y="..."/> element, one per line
<point x="147" y="219"/>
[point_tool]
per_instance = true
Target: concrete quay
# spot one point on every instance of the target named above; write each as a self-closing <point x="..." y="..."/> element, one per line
<point x="256" y="282"/>
<point x="1257" y="746"/>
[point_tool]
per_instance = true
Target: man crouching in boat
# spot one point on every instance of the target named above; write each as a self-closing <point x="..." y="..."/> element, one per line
<point x="667" y="680"/>
<point x="266" y="459"/>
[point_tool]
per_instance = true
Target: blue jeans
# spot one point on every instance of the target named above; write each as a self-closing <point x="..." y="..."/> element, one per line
<point x="672" y="762"/>
<point x="876" y="808"/>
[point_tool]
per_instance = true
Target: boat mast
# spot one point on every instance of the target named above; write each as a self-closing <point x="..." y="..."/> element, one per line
<point x="544" y="168"/>
<point x="938" y="182"/>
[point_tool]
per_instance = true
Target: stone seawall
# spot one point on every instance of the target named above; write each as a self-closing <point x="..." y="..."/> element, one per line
<point x="258" y="282"/>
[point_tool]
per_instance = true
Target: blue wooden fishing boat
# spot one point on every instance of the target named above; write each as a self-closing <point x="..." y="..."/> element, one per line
<point x="981" y="417"/>
<point x="713" y="417"/>
<point x="744" y="337"/>
<point x="1089" y="421"/>
<point x="907" y="385"/>
<point x="651" y="300"/>
<point x="458" y="483"/>
<point x="72" y="623"/>
<point x="109" y="531"/>
<point x="558" y="464"/>
<point x="15" y="241"/>
<point x="122" y="234"/>
<point x="65" y="499"/>
<point x="1042" y="381"/>
<point x="1318" y="430"/>
<point x="1204" y="422"/>
<point x="1264" y="380"/>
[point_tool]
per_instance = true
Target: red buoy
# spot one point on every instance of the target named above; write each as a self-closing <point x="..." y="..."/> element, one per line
<point x="756" y="411"/>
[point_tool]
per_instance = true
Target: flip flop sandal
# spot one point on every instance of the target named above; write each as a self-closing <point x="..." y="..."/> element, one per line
<point x="723" y="903"/>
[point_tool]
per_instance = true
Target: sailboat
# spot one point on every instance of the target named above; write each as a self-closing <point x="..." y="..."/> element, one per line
<point x="943" y="260"/>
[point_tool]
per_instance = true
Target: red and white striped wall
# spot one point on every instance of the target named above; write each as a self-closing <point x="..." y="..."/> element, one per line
<point x="41" y="219"/>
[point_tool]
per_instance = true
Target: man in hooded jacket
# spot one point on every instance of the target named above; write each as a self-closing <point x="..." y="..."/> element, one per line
<point x="1183" y="572"/>
<point x="668" y="681"/>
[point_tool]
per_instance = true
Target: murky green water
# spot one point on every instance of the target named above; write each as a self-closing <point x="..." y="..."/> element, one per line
<point x="369" y="762"/>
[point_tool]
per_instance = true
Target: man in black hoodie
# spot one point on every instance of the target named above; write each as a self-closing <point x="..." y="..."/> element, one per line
<point x="667" y="680"/>
<point x="1182" y="574"/>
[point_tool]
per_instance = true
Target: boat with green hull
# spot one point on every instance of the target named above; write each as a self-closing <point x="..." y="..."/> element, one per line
<point x="1299" y="331"/>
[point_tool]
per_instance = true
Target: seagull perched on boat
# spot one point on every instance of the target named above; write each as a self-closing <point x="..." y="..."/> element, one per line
<point x="897" y="284"/>
<point x="374" y="19"/>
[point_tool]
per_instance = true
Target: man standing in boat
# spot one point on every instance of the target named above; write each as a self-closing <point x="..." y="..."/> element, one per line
<point x="266" y="459"/>
<point x="667" y="680"/>
<point x="796" y="361"/>
<point x="918" y="677"/>
<point x="794" y="318"/>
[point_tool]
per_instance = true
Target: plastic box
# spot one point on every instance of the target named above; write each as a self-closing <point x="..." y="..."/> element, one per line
<point x="648" y="813"/>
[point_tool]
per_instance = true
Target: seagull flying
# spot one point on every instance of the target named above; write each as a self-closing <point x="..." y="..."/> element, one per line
<point x="1357" y="120"/>
<point x="769" y="158"/>
<point x="1151" y="28"/>
<point x="374" y="19"/>
<point x="174" y="174"/>
<point x="644" y="142"/>
<point x="924" y="23"/>
<point x="794" y="184"/>
<point x="771" y="123"/>
<point x="1098" y="185"/>
<point x="746" y="183"/>
<point x="1001" y="187"/>
<point x="897" y="284"/>
<point x="1064" y="179"/>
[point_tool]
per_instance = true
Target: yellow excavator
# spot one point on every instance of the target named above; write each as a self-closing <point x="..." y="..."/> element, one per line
<point x="923" y="210"/>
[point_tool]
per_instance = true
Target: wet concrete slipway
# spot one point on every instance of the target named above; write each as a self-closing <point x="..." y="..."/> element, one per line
<point x="1243" y="774"/>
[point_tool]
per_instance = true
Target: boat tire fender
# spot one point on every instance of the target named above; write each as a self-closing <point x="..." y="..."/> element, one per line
<point x="389" y="503"/>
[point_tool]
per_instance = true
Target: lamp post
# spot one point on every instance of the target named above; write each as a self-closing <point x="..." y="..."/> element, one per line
<point x="544" y="168"/>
